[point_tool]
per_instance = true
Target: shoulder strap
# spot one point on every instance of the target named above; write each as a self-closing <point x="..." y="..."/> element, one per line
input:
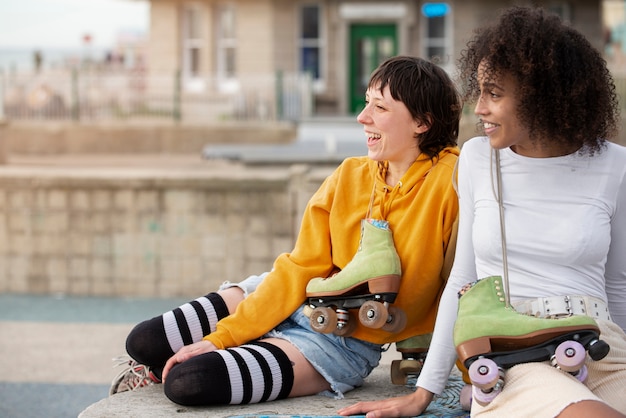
<point x="505" y="264"/>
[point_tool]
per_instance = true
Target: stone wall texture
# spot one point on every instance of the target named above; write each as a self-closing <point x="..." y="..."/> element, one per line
<point x="151" y="232"/>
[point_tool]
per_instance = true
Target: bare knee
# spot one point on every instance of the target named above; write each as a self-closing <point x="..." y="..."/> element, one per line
<point x="307" y="380"/>
<point x="585" y="409"/>
<point x="232" y="296"/>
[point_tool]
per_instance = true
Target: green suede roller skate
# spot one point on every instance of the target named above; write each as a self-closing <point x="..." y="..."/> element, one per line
<point x="490" y="337"/>
<point x="369" y="283"/>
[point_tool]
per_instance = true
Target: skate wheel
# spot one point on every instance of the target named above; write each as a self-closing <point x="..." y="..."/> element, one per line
<point x="373" y="314"/>
<point x="323" y="319"/>
<point x="465" y="397"/>
<point x="396" y="320"/>
<point x="347" y="328"/>
<point x="598" y="350"/>
<point x="411" y="366"/>
<point x="582" y="374"/>
<point x="484" y="373"/>
<point x="482" y="397"/>
<point x="570" y="356"/>
<point x="402" y="370"/>
<point x="397" y="376"/>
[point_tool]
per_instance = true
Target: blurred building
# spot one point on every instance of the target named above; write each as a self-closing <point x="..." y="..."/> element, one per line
<point x="216" y="45"/>
<point x="615" y="36"/>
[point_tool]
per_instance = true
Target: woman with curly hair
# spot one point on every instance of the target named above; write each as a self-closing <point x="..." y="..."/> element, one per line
<point x="542" y="233"/>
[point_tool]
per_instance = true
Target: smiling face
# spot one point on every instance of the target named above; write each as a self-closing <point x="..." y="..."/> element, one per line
<point x="497" y="110"/>
<point x="390" y="128"/>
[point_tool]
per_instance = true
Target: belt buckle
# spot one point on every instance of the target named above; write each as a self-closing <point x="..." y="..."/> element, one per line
<point x="568" y="305"/>
<point x="563" y="307"/>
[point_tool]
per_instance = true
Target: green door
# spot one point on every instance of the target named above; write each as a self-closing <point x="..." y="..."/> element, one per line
<point x="370" y="44"/>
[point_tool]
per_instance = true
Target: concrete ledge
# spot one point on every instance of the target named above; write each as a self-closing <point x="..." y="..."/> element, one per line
<point x="47" y="138"/>
<point x="151" y="402"/>
<point x="152" y="229"/>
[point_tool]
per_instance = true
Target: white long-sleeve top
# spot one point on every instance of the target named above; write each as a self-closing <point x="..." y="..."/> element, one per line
<point x="565" y="221"/>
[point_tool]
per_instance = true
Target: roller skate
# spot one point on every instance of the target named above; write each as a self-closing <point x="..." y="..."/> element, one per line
<point x="413" y="350"/>
<point x="491" y="337"/>
<point x="406" y="371"/>
<point x="369" y="283"/>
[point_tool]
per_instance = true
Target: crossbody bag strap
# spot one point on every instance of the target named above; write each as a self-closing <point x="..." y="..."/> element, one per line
<point x="505" y="264"/>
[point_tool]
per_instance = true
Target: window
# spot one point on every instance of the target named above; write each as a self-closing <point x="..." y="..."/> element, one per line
<point x="193" y="42"/>
<point x="226" y="45"/>
<point x="560" y="8"/>
<point x="310" y="40"/>
<point x="437" y="29"/>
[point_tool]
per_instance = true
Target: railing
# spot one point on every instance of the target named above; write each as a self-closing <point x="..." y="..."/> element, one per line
<point x="97" y="95"/>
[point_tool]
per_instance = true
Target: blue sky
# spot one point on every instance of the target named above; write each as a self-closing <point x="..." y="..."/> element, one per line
<point x="41" y="24"/>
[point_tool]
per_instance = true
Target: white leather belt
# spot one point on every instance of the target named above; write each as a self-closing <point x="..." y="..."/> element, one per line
<point x="561" y="306"/>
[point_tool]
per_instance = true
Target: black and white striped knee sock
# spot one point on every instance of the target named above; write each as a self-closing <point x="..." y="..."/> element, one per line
<point x="190" y="322"/>
<point x="252" y="373"/>
<point x="154" y="341"/>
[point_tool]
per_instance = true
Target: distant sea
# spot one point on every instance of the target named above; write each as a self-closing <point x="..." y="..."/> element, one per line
<point x="23" y="60"/>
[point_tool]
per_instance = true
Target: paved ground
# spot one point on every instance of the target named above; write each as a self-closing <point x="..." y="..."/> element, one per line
<point x="55" y="361"/>
<point x="55" y="352"/>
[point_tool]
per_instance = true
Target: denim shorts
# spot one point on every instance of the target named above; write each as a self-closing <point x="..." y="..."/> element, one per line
<point x="248" y="285"/>
<point x="343" y="362"/>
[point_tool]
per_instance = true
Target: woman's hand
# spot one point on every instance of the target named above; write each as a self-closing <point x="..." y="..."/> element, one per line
<point x="186" y="353"/>
<point x="403" y="406"/>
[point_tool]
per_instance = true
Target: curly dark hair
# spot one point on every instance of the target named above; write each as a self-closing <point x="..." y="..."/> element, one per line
<point x="565" y="91"/>
<point x="429" y="94"/>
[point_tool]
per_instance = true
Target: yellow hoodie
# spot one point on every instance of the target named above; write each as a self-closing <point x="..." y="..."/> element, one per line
<point x="421" y="211"/>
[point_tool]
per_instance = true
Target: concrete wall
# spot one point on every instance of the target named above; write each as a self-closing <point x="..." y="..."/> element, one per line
<point x="164" y="56"/>
<point x="3" y="126"/>
<point x="154" y="138"/>
<point x="145" y="232"/>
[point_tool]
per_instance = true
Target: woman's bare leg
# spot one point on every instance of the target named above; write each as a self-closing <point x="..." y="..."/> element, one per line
<point x="232" y="297"/>
<point x="585" y="409"/>
<point x="307" y="381"/>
